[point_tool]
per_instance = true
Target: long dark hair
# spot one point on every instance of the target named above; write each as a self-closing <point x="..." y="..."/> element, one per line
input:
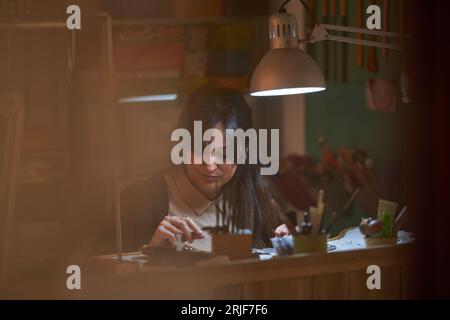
<point x="247" y="200"/>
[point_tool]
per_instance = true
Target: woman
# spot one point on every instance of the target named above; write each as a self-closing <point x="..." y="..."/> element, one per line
<point x="206" y="195"/>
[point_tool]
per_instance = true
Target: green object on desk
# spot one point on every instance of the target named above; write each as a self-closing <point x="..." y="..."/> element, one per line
<point x="386" y="219"/>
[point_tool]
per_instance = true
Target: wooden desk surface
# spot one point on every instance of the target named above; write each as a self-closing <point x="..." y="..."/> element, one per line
<point x="335" y="275"/>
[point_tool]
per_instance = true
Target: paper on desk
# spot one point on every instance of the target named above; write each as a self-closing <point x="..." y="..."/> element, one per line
<point x="354" y="239"/>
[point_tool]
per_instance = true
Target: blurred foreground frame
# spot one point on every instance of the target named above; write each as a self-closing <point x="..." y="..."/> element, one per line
<point x="65" y="80"/>
<point x="428" y="179"/>
<point x="11" y="126"/>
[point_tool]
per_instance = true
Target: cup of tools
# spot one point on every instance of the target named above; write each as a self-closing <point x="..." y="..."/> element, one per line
<point x="313" y="243"/>
<point x="309" y="239"/>
<point x="312" y="238"/>
<point x="237" y="245"/>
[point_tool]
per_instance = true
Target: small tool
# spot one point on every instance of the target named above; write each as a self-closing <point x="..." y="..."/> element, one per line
<point x="400" y="220"/>
<point x="335" y="217"/>
<point x="306" y="225"/>
<point x="321" y="210"/>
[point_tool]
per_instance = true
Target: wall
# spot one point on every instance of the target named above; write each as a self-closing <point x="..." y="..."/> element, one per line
<point x="340" y="113"/>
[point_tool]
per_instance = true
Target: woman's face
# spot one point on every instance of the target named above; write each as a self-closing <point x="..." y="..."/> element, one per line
<point x="210" y="178"/>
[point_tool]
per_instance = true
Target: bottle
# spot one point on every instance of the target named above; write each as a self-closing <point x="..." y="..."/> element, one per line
<point x="387" y="220"/>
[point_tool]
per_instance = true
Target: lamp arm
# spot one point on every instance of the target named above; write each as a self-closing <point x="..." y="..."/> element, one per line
<point x="365" y="31"/>
<point x="320" y="33"/>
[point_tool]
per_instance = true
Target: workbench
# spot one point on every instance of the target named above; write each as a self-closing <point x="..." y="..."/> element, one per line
<point x="341" y="274"/>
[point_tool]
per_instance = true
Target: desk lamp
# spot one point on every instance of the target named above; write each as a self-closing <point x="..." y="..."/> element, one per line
<point x="287" y="70"/>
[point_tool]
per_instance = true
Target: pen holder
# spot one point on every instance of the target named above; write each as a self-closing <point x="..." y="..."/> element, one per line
<point x="316" y="243"/>
<point x="235" y="246"/>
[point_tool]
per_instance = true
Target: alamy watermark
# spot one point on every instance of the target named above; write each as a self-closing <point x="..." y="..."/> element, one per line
<point x="73" y="281"/>
<point x="237" y="147"/>
<point x="73" y="21"/>
<point x="374" y="280"/>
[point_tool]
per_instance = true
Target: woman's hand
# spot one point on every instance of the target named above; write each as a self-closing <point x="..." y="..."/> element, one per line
<point x="281" y="231"/>
<point x="171" y="227"/>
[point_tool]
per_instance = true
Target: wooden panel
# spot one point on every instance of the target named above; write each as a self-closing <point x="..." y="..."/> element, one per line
<point x="228" y="293"/>
<point x="284" y="289"/>
<point x="12" y="117"/>
<point x="331" y="287"/>
<point x="390" y="285"/>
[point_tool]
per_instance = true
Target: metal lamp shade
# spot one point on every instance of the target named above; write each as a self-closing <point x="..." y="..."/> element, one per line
<point x="286" y="71"/>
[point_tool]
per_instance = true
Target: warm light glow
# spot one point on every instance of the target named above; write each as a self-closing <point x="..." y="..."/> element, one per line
<point x="149" y="98"/>
<point x="286" y="91"/>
